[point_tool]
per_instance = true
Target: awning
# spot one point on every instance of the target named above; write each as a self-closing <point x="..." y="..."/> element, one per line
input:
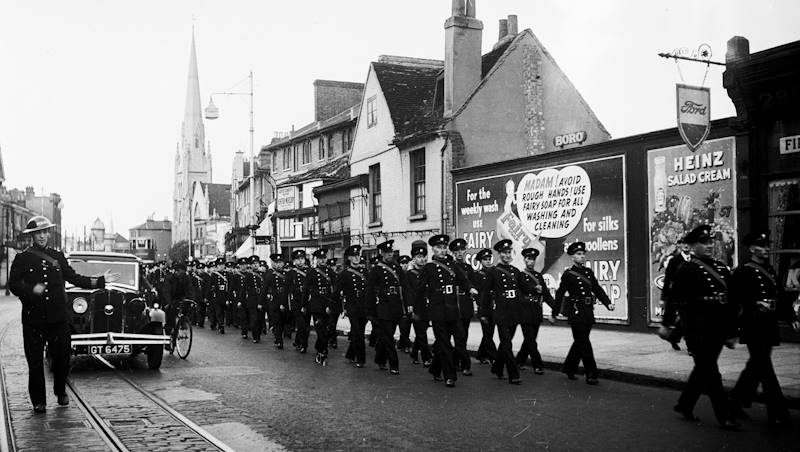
<point x="246" y="250"/>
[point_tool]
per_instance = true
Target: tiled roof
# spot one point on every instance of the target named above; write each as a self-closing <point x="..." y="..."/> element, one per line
<point x="152" y="224"/>
<point x="409" y="91"/>
<point x="335" y="169"/>
<point x="219" y="198"/>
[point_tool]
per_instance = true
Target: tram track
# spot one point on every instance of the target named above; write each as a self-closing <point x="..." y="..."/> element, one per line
<point x="7" y="440"/>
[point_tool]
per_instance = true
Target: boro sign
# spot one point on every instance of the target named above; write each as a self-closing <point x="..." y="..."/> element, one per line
<point x="694" y="114"/>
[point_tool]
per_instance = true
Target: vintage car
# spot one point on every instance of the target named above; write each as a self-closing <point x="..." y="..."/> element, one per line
<point x="121" y="319"/>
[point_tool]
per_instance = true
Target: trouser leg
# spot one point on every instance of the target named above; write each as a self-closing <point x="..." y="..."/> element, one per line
<point x="460" y="334"/>
<point x="523" y="353"/>
<point x="445" y="353"/>
<point x="321" y="328"/>
<point x="386" y="342"/>
<point x="421" y="347"/>
<point x="487" y="350"/>
<point x="777" y="408"/>
<point x="301" y="326"/>
<point x="35" y="337"/>
<point x="505" y="355"/>
<point x="219" y="314"/>
<point x="404" y="325"/>
<point x="744" y="391"/>
<point x="333" y="339"/>
<point x="201" y="313"/>
<point x="59" y="346"/>
<point x="530" y="331"/>
<point x="277" y="322"/>
<point x="357" y="345"/>
<point x="573" y="356"/>
<point x="585" y="349"/>
<point x="256" y="317"/>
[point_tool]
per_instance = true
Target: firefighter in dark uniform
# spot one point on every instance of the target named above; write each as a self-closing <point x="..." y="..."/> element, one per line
<point x="466" y="309"/>
<point x="487" y="351"/>
<point x="502" y="300"/>
<point x="420" y="348"/>
<point x="208" y="281"/>
<point x="671" y="330"/>
<point x="336" y="306"/>
<point x="755" y="288"/>
<point x="436" y="292"/>
<point x="404" y="325"/>
<point x="247" y="290"/>
<point x="198" y="314"/>
<point x="533" y="293"/>
<point x="37" y="277"/>
<point x="233" y="278"/>
<point x="276" y="298"/>
<point x="709" y="319"/>
<point x="385" y="305"/>
<point x="317" y="293"/>
<point x="254" y="291"/>
<point x="296" y="276"/>
<point x="582" y="291"/>
<point x="351" y="290"/>
<point x="219" y="295"/>
<point x="177" y="287"/>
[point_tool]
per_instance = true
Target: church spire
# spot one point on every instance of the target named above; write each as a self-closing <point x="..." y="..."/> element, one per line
<point x="193" y="133"/>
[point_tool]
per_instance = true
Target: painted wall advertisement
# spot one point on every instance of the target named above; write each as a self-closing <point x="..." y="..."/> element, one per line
<point x="687" y="189"/>
<point x="548" y="209"/>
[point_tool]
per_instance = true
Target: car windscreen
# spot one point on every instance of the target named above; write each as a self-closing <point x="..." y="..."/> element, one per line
<point x="128" y="276"/>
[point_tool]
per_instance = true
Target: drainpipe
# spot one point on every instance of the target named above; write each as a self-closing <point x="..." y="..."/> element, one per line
<point x="442" y="196"/>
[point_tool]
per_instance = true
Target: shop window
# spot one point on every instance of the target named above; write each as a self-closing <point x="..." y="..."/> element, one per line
<point x="784" y="222"/>
<point x="306" y="152"/>
<point x="321" y="148"/>
<point x="287" y="158"/>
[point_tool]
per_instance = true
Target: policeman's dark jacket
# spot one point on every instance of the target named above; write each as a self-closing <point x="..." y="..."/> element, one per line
<point x="667" y="292"/>
<point x="437" y="290"/>
<point x="502" y="294"/>
<point x="533" y="293"/>
<point x="295" y="278"/>
<point x="219" y="287"/>
<point x="29" y="269"/>
<point x="465" y="304"/>
<point x="385" y="291"/>
<point x="236" y="286"/>
<point x="708" y="313"/>
<point x="197" y="285"/>
<point x="755" y="288"/>
<point x="177" y="288"/>
<point x="413" y="282"/>
<point x="350" y="289"/>
<point x="481" y="281"/>
<point x="253" y="287"/>
<point x="208" y="282"/>
<point x="277" y="291"/>
<point x="318" y="290"/>
<point x="577" y="293"/>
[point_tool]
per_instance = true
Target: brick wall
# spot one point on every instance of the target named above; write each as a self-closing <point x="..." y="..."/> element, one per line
<point x="331" y="97"/>
<point x="534" y="105"/>
<point x="453" y="158"/>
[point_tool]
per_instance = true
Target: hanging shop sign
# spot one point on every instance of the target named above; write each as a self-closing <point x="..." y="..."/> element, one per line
<point x="694" y="114"/>
<point x="687" y="189"/>
<point x="547" y="209"/>
<point x="789" y="145"/>
<point x="287" y="198"/>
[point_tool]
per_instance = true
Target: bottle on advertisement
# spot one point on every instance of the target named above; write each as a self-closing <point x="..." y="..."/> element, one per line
<point x="660" y="183"/>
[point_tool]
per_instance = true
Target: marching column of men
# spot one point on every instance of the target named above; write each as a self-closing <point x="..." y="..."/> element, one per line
<point x="708" y="303"/>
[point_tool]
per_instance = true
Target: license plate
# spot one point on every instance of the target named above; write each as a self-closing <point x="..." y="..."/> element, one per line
<point x="109" y="349"/>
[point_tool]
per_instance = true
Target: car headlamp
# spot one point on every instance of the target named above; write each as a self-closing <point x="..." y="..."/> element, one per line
<point x="80" y="305"/>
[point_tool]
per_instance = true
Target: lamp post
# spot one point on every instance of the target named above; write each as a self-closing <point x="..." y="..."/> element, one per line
<point x="212" y="112"/>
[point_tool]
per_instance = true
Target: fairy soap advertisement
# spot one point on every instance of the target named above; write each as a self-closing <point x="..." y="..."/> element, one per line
<point x="547" y="209"/>
<point x="687" y="189"/>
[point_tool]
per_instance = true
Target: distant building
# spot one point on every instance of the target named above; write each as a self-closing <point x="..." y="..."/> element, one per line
<point x="109" y="241"/>
<point x="211" y="219"/>
<point x="240" y="221"/>
<point x="152" y="239"/>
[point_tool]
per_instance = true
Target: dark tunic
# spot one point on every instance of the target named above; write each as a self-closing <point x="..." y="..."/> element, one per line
<point x="436" y="293"/>
<point x="385" y="291"/>
<point x="754" y="287"/>
<point x="351" y="289"/>
<point x="317" y="290"/>
<point x="502" y="294"/>
<point x="582" y="291"/>
<point x="52" y="270"/>
<point x="534" y="292"/>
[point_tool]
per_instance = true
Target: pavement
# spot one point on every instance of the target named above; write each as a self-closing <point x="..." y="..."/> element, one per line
<point x="643" y="358"/>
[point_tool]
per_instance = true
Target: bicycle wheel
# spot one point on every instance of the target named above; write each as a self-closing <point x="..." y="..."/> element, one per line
<point x="183" y="336"/>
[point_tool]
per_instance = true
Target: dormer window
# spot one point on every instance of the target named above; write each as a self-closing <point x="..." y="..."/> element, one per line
<point x="372" y="112"/>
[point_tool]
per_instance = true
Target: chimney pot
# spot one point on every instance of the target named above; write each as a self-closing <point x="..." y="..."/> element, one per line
<point x="503" y="29"/>
<point x="738" y="47"/>
<point x="512" y="25"/>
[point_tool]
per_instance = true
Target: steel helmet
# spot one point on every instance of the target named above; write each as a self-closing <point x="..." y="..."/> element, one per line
<point x="38" y="223"/>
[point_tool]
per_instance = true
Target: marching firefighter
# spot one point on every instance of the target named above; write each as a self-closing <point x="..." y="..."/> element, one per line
<point x="296" y="276"/>
<point x="487" y="351"/>
<point x="533" y="293"/>
<point x="276" y="298"/>
<point x="350" y="287"/>
<point x="385" y="305"/>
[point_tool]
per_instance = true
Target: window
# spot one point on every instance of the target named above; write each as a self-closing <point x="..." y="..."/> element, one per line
<point x="308" y="226"/>
<point x="321" y="148"/>
<point x="299" y="196"/>
<point x="306" y="152"/>
<point x="417" y="159"/>
<point x="331" y="150"/>
<point x="287" y="158"/>
<point x="294" y="156"/>
<point x="784" y="224"/>
<point x="349" y="134"/>
<point x="372" y="114"/>
<point x="375" y="192"/>
<point x="274" y="156"/>
<point x="286" y="227"/>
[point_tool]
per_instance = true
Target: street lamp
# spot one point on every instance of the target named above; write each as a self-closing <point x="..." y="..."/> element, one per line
<point x="212" y="112"/>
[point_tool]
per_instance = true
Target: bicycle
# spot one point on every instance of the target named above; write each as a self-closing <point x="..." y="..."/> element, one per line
<point x="181" y="337"/>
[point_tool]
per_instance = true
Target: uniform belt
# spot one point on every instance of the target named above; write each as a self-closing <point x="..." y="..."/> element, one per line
<point x="533" y="298"/>
<point x="392" y="290"/>
<point x="583" y="300"/>
<point x="768" y="303"/>
<point x="718" y="298"/>
<point x="447" y="289"/>
<point x="510" y="293"/>
<point x="460" y="292"/>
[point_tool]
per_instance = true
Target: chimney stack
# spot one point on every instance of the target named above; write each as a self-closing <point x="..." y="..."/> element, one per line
<point x="462" y="54"/>
<point x="738" y="48"/>
<point x="512" y="25"/>
<point x="503" y="29"/>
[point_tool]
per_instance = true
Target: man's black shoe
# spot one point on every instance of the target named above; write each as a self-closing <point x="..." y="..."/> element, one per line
<point x="302" y="350"/>
<point x="63" y="400"/>
<point x="437" y="378"/>
<point x="426" y="364"/>
<point x="592" y="381"/>
<point x="731" y="425"/>
<point x="359" y="365"/>
<point x="450" y="383"/>
<point x="687" y="414"/>
<point x="256" y="341"/>
<point x="538" y="371"/>
<point x="572" y="376"/>
<point x="415" y="361"/>
<point x="521" y="367"/>
<point x="382" y="366"/>
<point x="515" y="381"/>
<point x="467" y="372"/>
<point x="40" y="408"/>
<point x="222" y="331"/>
<point x="394" y="372"/>
<point x="738" y="413"/>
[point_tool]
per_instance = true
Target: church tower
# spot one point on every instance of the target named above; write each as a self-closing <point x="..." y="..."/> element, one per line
<point x="192" y="162"/>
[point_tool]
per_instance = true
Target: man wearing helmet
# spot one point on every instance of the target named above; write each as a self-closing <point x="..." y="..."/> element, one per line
<point x="37" y="277"/>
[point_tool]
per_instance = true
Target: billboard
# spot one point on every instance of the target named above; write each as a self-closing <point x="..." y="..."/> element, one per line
<point x="547" y="209"/>
<point x="686" y="189"/>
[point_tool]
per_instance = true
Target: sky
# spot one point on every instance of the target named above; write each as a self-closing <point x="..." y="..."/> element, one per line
<point x="92" y="91"/>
